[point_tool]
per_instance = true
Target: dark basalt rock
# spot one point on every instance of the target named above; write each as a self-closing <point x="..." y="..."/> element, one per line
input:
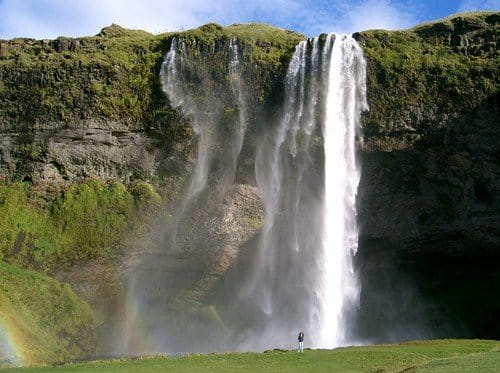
<point x="429" y="191"/>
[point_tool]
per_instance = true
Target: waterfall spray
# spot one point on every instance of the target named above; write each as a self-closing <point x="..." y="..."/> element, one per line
<point x="159" y="273"/>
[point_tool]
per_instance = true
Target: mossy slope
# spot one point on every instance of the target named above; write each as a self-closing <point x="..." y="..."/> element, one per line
<point x="86" y="221"/>
<point x="114" y="75"/>
<point x="422" y="78"/>
<point x="46" y="321"/>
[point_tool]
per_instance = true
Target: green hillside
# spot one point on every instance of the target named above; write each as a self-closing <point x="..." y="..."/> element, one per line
<point x="43" y="319"/>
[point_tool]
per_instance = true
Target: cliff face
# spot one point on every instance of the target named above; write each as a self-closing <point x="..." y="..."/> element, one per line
<point x="74" y="109"/>
<point x="71" y="107"/>
<point x="93" y="107"/>
<point x="429" y="191"/>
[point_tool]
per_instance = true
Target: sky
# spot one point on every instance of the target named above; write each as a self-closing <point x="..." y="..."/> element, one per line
<point x="42" y="19"/>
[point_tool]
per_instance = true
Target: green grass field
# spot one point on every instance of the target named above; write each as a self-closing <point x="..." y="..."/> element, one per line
<point x="421" y="356"/>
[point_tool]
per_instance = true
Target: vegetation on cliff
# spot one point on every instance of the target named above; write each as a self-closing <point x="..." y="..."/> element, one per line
<point x="86" y="221"/>
<point x="114" y="75"/>
<point x="422" y="78"/>
<point x="46" y="322"/>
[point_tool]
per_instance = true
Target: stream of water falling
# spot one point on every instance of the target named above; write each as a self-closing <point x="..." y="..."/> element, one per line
<point x="205" y="110"/>
<point x="159" y="271"/>
<point x="174" y="75"/>
<point x="345" y="100"/>
<point x="237" y="86"/>
<point x="300" y="273"/>
<point x="304" y="275"/>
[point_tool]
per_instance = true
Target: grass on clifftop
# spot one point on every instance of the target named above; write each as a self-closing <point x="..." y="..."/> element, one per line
<point x="45" y="321"/>
<point x="478" y="17"/>
<point x="430" y="73"/>
<point x="113" y="75"/>
<point x="424" y="356"/>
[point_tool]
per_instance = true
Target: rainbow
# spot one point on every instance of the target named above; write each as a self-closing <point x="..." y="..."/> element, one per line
<point x="10" y="349"/>
<point x="135" y="339"/>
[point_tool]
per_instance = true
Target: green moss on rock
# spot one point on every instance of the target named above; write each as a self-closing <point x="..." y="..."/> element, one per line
<point x="114" y="75"/>
<point x="86" y="221"/>
<point x="420" y="79"/>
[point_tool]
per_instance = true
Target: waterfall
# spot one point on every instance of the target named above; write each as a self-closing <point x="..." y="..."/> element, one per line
<point x="286" y="174"/>
<point x="304" y="276"/>
<point x="298" y="274"/>
<point x="198" y="97"/>
<point x="159" y="271"/>
<point x="175" y="72"/>
<point x="345" y="99"/>
<point x="237" y="87"/>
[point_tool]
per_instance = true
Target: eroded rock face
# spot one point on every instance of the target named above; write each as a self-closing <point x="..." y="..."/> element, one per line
<point x="170" y="281"/>
<point x="87" y="149"/>
<point x="467" y="35"/>
<point x="220" y="230"/>
<point x="208" y="238"/>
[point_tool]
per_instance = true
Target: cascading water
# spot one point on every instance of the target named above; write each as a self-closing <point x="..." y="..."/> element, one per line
<point x="204" y="110"/>
<point x="159" y="273"/>
<point x="172" y="75"/>
<point x="304" y="275"/>
<point x="283" y="279"/>
<point x="299" y="273"/>
<point x="345" y="100"/>
<point x="237" y="87"/>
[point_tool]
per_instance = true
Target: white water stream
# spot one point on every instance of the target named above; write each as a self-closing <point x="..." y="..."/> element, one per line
<point x="345" y="100"/>
<point x="304" y="275"/>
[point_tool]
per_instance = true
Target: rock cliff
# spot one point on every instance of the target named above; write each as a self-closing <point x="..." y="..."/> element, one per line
<point x="428" y="201"/>
<point x="429" y="192"/>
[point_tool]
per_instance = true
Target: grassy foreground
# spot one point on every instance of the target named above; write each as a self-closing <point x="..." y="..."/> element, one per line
<point x="421" y="356"/>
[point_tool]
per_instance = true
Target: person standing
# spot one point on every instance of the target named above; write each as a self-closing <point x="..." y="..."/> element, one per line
<point x="301" y="342"/>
